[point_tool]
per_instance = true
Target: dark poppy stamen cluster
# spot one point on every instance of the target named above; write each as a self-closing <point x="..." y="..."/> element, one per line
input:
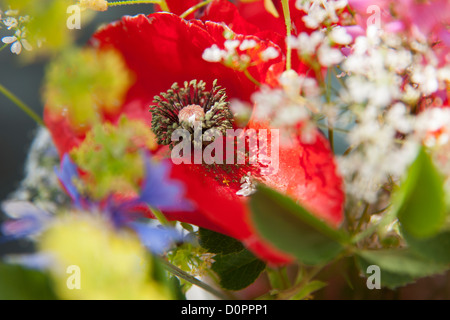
<point x="179" y="108"/>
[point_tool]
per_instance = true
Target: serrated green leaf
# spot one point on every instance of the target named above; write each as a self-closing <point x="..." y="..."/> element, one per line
<point x="18" y="283"/>
<point x="388" y="279"/>
<point x="218" y="243"/>
<point x="420" y="201"/>
<point x="237" y="270"/>
<point x="398" y="266"/>
<point x="436" y="248"/>
<point x="292" y="229"/>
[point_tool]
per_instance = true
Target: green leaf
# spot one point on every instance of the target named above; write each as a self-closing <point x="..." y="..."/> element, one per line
<point x="308" y="289"/>
<point x="236" y="267"/>
<point x="436" y="249"/>
<point x="237" y="270"/>
<point x="420" y="201"/>
<point x="218" y="243"/>
<point x="398" y="266"/>
<point x="292" y="229"/>
<point x="18" y="283"/>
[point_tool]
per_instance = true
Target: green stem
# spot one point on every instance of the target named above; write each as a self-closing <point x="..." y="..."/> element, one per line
<point x="250" y="77"/>
<point x="363" y="218"/>
<point x="284" y="277"/>
<point x="328" y="99"/>
<point x="21" y="105"/>
<point x="287" y="21"/>
<point x="385" y="220"/>
<point x="162" y="3"/>
<point x="195" y="8"/>
<point x="291" y="292"/>
<point x="185" y="276"/>
<point x="4" y="46"/>
<point x="160" y="217"/>
<point x="326" y="127"/>
<point x="331" y="138"/>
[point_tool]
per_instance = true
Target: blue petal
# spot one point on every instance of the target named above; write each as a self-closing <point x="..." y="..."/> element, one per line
<point x="157" y="240"/>
<point x="66" y="174"/>
<point x="160" y="191"/>
<point x="27" y="220"/>
<point x="41" y="261"/>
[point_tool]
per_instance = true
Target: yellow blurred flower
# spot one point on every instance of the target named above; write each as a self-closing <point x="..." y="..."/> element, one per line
<point x="86" y="84"/>
<point x="94" y="261"/>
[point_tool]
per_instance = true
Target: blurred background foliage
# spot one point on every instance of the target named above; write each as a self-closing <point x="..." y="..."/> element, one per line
<point x="25" y="80"/>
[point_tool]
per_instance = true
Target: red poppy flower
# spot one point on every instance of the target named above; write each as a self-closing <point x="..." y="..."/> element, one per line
<point x="245" y="17"/>
<point x="253" y="18"/>
<point x="162" y="49"/>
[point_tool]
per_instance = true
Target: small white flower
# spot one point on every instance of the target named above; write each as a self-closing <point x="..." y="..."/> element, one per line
<point x="17" y="42"/>
<point x="12" y="12"/>
<point x="247" y="44"/>
<point x="291" y="82"/>
<point x="307" y="44"/>
<point x="269" y="54"/>
<point x="214" y="54"/>
<point x="240" y="108"/>
<point x="248" y="186"/>
<point x="231" y="45"/>
<point x="339" y="35"/>
<point x="10" y="23"/>
<point x="427" y="79"/>
<point x="329" y="56"/>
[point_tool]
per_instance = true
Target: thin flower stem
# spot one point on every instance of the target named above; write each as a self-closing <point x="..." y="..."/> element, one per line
<point x="325" y="127"/>
<point x="328" y="99"/>
<point x="160" y="217"/>
<point x="287" y="20"/>
<point x="185" y="276"/>
<point x="363" y="218"/>
<point x="162" y="3"/>
<point x="349" y="149"/>
<point x="284" y="277"/>
<point x="385" y="220"/>
<point x="341" y="82"/>
<point x="4" y="46"/>
<point x="291" y="292"/>
<point x="331" y="138"/>
<point x="21" y="105"/>
<point x="250" y="77"/>
<point x="195" y="8"/>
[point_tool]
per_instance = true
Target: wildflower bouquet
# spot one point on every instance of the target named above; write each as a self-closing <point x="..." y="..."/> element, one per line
<point x="254" y="149"/>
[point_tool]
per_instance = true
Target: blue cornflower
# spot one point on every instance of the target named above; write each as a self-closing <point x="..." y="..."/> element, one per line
<point x="158" y="191"/>
<point x="66" y="174"/>
<point x="27" y="220"/>
<point x="161" y="192"/>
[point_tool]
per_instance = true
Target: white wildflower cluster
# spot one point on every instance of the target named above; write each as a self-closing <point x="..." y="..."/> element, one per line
<point x="238" y="54"/>
<point x="13" y="22"/>
<point x="378" y="154"/>
<point x="321" y="12"/>
<point x="383" y="69"/>
<point x="202" y="265"/>
<point x="386" y="82"/>
<point x="292" y="103"/>
<point x="321" y="45"/>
